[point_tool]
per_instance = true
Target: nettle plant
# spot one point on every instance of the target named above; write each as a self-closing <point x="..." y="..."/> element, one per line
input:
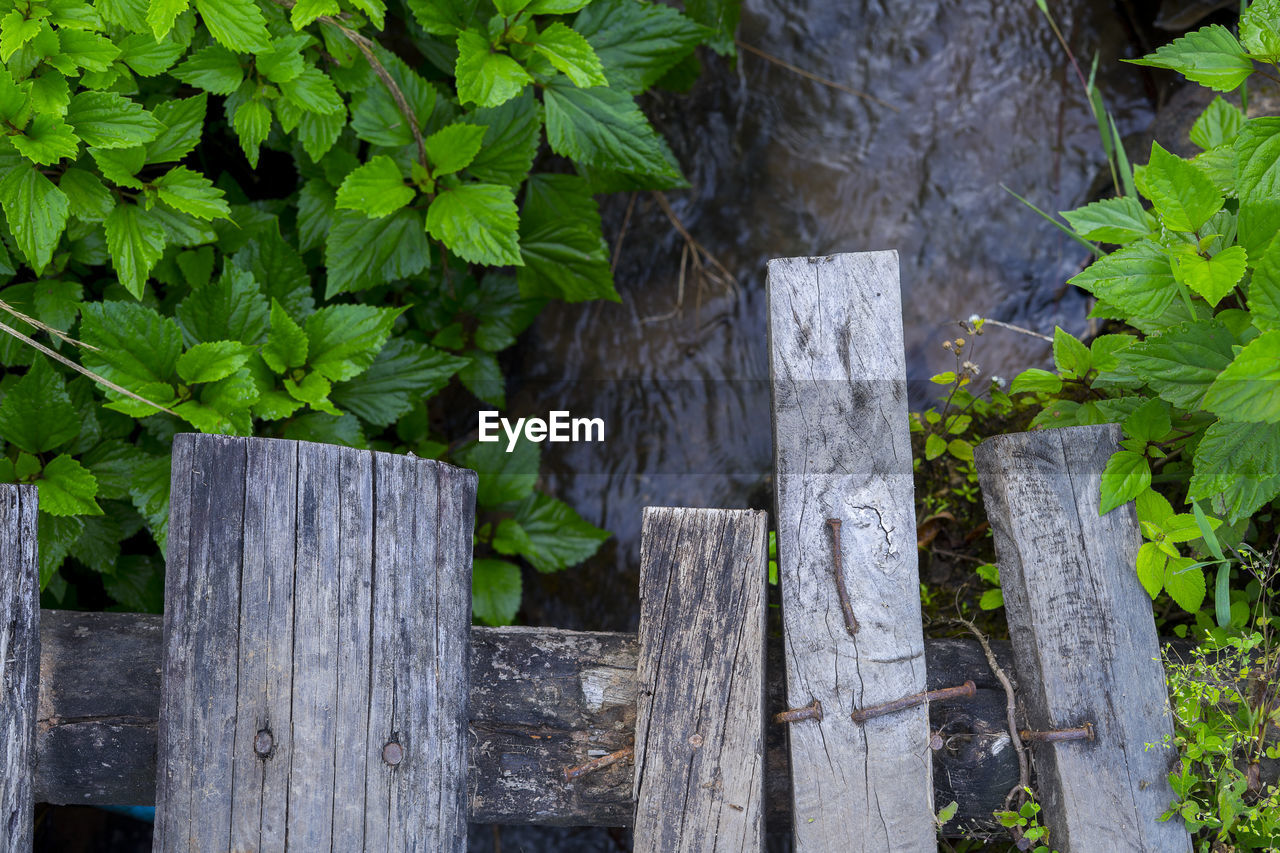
<point x="1196" y="384"/>
<point x="255" y="218"/>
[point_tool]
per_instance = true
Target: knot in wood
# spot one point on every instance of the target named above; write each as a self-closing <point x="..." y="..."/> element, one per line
<point x="262" y="743"/>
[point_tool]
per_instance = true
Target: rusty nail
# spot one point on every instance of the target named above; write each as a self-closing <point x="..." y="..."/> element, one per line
<point x="571" y="773"/>
<point x="812" y="711"/>
<point x="262" y="743"/>
<point x="964" y="691"/>
<point x="850" y="621"/>
<point x="936" y="742"/>
<point x="393" y="753"/>
<point x="1084" y="732"/>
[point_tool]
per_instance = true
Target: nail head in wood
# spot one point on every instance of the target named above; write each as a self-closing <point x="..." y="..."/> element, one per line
<point x="393" y="753"/>
<point x="262" y="743"/>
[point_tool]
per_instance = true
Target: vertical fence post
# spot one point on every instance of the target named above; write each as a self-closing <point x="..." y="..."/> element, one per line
<point x="1084" y="639"/>
<point x="19" y="663"/>
<point x="317" y="619"/>
<point x="699" y="751"/>
<point x="842" y="451"/>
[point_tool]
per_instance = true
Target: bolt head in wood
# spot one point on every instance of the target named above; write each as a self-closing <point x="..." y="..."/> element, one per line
<point x="695" y="741"/>
<point x="262" y="743"/>
<point x="393" y="753"/>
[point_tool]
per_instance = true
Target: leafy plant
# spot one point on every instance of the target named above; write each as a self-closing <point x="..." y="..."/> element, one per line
<point x="256" y="218"/>
<point x="1194" y="375"/>
<point x="1024" y="823"/>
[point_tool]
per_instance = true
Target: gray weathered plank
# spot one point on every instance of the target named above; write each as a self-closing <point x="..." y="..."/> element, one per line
<point x="19" y="663"/>
<point x="842" y="451"/>
<point x="1083" y="637"/>
<point x="319" y="600"/>
<point x="699" y="747"/>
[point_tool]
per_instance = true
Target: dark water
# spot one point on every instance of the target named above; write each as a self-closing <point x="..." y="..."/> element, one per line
<point x="784" y="166"/>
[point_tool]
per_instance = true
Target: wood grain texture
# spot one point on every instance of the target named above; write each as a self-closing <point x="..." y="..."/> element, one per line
<point x="19" y="663"/>
<point x="842" y="451"/>
<point x="699" y="747"/>
<point x="1084" y="639"/>
<point x="317" y="609"/>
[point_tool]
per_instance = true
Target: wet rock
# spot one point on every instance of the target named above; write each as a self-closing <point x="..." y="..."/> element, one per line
<point x="1178" y="15"/>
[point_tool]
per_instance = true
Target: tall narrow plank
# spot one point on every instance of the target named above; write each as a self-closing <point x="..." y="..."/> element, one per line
<point x="842" y="451"/>
<point x="699" y="748"/>
<point x="1083" y="637"/>
<point x="19" y="663"/>
<point x="309" y="598"/>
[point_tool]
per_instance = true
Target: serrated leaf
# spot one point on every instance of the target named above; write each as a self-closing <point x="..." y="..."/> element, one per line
<point x="286" y="344"/>
<point x="560" y="537"/>
<point x="375" y="9"/>
<point x="1210" y="56"/>
<point x="1113" y="220"/>
<point x="1180" y="364"/>
<point x="136" y="347"/>
<point x="318" y="132"/>
<point x="1260" y="29"/>
<point x="46" y="140"/>
<point x="361" y="252"/>
<point x="477" y="222"/>
<point x="236" y="24"/>
<point x="376" y="118"/>
<point x="1034" y="380"/>
<point x="1249" y="388"/>
<point x="1151" y="563"/>
<point x="283" y="61"/>
<point x="50" y="93"/>
<point x="36" y="413"/>
<point x="1257" y="169"/>
<point x="1182" y="194"/>
<point x="193" y="193"/>
<point x="162" y="13"/>
<point x="451" y="149"/>
<point x="1137" y="279"/>
<point x="16" y="29"/>
<point x="561" y="242"/>
<point x="183" y="121"/>
<point x="1212" y="278"/>
<point x="135" y="239"/>
<point x="402" y="373"/>
<point x="36" y="211"/>
<point x="638" y="42"/>
<point x="98" y="545"/>
<point x="1217" y="125"/>
<point x="150" y="494"/>
<point x="604" y="127"/>
<point x="67" y="488"/>
<point x="482" y="376"/>
<point x="1184" y="581"/>
<point x="375" y="188"/>
<point x="502" y="313"/>
<point x="1127" y="474"/>
<point x="569" y="53"/>
<point x="212" y="360"/>
<point x="343" y="339"/>
<point x="106" y="120"/>
<point x="504" y="477"/>
<point x="312" y="91"/>
<point x="230" y="308"/>
<point x="314" y="391"/>
<point x="147" y="57"/>
<point x="305" y="12"/>
<point x="510" y="142"/>
<point x="90" y="200"/>
<point x="484" y="76"/>
<point x="121" y="166"/>
<point x="1149" y="422"/>
<point x="252" y="123"/>
<point x="214" y="69"/>
<point x="1071" y="357"/>
<point x="442" y="17"/>
<point x="1152" y="507"/>
<point x="1236" y="468"/>
<point x="934" y="446"/>
<point x="495" y="589"/>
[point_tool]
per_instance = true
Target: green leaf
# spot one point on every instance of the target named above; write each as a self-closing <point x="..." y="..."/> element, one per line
<point x="91" y="201"/>
<point x="511" y="140"/>
<point x="485" y="77"/>
<point x="135" y="239"/>
<point x="283" y="61"/>
<point x="504" y="476"/>
<point x="495" y="589"/>
<point x="343" y="339"/>
<point x="1264" y="291"/>
<point x="1257" y="148"/>
<point x="477" y="222"/>
<point x="183" y="120"/>
<point x="15" y="31"/>
<point x="98" y="545"/>
<point x="376" y="118"/>
<point x="305" y="12"/>
<point x="1181" y="363"/>
<point x="361" y="252"/>
<point x="286" y="344"/>
<point x="1210" y="56"/>
<point x="313" y="92"/>
<point x="1137" y="279"/>
<point x="106" y="120"/>
<point x="1149" y="422"/>
<point x="137" y="348"/>
<point x="1113" y="220"/>
<point x="193" y="193"/>
<point x="604" y="127"/>
<point x="1127" y="474"/>
<point x="67" y="488"/>
<point x="121" y="166"/>
<point x="375" y="188"/>
<point x="213" y="360"/>
<point x="214" y="69"/>
<point x="86" y="49"/>
<point x="147" y="57"/>
<point x="1071" y="357"/>
<point x="1152" y="507"/>
<point x="46" y="140"/>
<point x="442" y="17"/>
<point x="1034" y="380"/>
<point x="570" y="54"/>
<point x="502" y="313"/>
<point x="992" y="599"/>
<point x="561" y="242"/>
<point x="252" y="123"/>
<point x="508" y="8"/>
<point x="483" y="378"/>
<point x="1217" y="125"/>
<point x="638" y="42"/>
<point x="230" y="308"/>
<point x="1212" y="278"/>
<point x="1151" y="563"/>
<point x="1260" y="29"/>
<point x="452" y="149"/>
<point x="162" y="13"/>
<point x="1184" y="581"/>
<point x="1249" y="388"/>
<point x="314" y="391"/>
<point x="36" y="211"/>
<point x="278" y="269"/>
<point x="560" y="537"/>
<point x="150" y="493"/>
<point x="236" y="24"/>
<point x="36" y="413"/>
<point x="1182" y="194"/>
<point x="403" y="372"/>
<point x="376" y="10"/>
<point x="1237" y="467"/>
<point x="50" y="93"/>
<point x="934" y="446"/>
<point x="510" y="538"/>
<point x="318" y="132"/>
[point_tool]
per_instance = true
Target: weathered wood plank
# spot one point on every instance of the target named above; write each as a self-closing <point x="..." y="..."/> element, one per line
<point x="699" y="749"/>
<point x="19" y="663"/>
<point x="1084" y="639"/>
<point x="322" y="596"/>
<point x="542" y="699"/>
<point x="842" y="451"/>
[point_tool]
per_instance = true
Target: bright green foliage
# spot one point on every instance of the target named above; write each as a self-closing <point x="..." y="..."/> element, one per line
<point x="217" y="293"/>
<point x="1198" y="392"/>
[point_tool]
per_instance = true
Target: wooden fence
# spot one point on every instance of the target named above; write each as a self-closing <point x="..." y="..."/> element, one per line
<point x="316" y="683"/>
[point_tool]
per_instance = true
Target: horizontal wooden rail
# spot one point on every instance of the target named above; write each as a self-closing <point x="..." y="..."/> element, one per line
<point x="541" y="700"/>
